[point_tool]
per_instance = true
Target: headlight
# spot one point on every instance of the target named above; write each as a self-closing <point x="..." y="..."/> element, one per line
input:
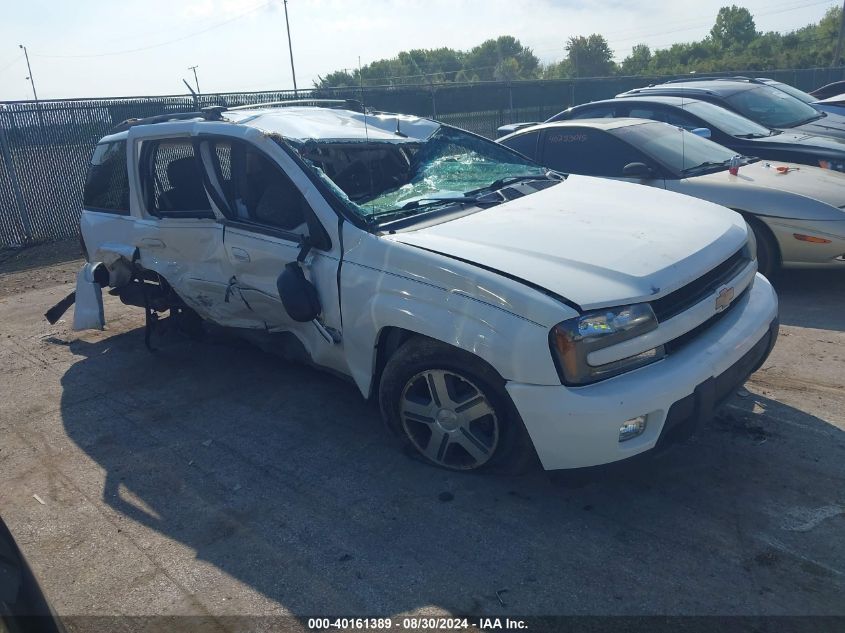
<point x="573" y="340"/>
<point x="836" y="165"/>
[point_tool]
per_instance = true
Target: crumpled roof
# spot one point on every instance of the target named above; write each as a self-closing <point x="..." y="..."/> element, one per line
<point x="303" y="123"/>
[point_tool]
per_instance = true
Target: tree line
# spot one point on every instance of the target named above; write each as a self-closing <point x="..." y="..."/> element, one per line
<point x="733" y="43"/>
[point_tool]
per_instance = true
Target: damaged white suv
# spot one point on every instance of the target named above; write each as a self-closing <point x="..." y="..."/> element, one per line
<point x="495" y="309"/>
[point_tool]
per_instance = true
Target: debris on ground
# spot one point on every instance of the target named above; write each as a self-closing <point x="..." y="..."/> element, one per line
<point x="499" y="596"/>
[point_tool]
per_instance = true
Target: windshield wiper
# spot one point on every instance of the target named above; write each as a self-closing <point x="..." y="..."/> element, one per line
<point x="408" y="209"/>
<point x="436" y="200"/>
<point x="484" y="198"/>
<point x="743" y="160"/>
<point x="706" y="165"/>
<point x="511" y="180"/>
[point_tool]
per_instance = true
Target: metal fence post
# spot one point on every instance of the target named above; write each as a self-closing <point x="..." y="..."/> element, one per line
<point x="510" y="102"/>
<point x="433" y="102"/>
<point x="16" y="187"/>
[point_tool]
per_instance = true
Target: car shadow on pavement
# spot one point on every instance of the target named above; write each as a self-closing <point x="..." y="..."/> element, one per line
<point x="811" y="298"/>
<point x="283" y="478"/>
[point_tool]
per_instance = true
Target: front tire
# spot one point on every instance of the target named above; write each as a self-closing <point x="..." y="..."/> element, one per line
<point x="768" y="254"/>
<point x="453" y="410"/>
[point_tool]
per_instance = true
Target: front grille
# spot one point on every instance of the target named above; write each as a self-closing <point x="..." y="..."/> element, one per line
<point x="675" y="344"/>
<point x="683" y="298"/>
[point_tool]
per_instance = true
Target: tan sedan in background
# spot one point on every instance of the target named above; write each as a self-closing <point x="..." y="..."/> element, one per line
<point x="796" y="211"/>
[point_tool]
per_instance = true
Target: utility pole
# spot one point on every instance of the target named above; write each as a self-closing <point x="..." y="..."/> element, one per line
<point x="838" y="53"/>
<point x="290" y="49"/>
<point x="196" y="81"/>
<point x="34" y="93"/>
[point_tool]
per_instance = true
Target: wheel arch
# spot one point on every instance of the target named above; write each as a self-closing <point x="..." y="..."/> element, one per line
<point x="755" y="221"/>
<point x="391" y="338"/>
<point x="510" y="344"/>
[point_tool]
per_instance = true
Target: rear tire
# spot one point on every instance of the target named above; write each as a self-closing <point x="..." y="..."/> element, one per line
<point x="453" y="409"/>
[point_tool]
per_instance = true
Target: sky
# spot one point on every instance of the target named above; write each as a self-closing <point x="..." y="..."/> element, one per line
<point x="97" y="48"/>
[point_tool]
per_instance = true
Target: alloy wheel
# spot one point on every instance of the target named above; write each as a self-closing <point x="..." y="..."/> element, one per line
<point x="449" y="419"/>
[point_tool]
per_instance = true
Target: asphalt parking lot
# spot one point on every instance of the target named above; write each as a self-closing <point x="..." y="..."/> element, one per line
<point x="210" y="478"/>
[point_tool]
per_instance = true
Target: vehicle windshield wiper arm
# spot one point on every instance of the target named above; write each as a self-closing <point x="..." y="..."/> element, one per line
<point x="712" y="163"/>
<point x="423" y="203"/>
<point x="435" y="200"/>
<point x="705" y="165"/>
<point x="511" y="180"/>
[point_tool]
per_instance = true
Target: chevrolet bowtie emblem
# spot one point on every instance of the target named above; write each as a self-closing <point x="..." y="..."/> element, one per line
<point x="723" y="300"/>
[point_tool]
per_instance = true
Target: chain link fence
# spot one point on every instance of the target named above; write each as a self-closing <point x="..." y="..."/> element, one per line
<point x="45" y="147"/>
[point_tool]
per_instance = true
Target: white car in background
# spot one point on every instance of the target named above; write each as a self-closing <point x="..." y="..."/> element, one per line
<point x="496" y="311"/>
<point x="796" y="211"/>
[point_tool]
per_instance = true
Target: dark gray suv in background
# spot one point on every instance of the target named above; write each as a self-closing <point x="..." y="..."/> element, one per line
<point x="756" y="100"/>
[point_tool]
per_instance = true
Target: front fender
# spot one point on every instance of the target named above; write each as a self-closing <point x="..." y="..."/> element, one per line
<point x="758" y="200"/>
<point x="516" y="347"/>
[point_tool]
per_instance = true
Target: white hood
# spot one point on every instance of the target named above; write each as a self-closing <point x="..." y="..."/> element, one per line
<point x="592" y="241"/>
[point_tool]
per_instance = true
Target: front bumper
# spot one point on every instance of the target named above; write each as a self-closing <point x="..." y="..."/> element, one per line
<point x="579" y="427"/>
<point x="801" y="254"/>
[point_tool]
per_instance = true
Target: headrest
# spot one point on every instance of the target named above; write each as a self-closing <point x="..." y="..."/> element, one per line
<point x="182" y="171"/>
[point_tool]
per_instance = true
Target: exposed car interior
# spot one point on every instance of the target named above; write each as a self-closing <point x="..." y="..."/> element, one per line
<point x="363" y="170"/>
<point x="255" y="189"/>
<point x="172" y="180"/>
<point x="186" y="191"/>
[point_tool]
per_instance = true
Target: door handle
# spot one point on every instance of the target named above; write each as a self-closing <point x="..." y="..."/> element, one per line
<point x="151" y="242"/>
<point x="240" y="254"/>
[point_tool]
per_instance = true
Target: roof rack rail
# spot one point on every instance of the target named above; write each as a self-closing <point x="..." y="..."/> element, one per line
<point x="346" y="104"/>
<point x="210" y="113"/>
<point x="725" y="78"/>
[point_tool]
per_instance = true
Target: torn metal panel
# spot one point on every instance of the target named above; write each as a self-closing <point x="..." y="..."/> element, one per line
<point x="119" y="260"/>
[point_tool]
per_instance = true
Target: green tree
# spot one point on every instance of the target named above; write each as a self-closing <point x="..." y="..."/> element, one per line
<point x="733" y="44"/>
<point x="590" y="56"/>
<point x="637" y="62"/>
<point x="485" y="58"/>
<point x="560" y="70"/>
<point x="336" y="79"/>
<point x="734" y="28"/>
<point x="506" y="70"/>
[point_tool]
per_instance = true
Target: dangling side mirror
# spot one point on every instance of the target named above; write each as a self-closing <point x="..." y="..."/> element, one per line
<point x="298" y="295"/>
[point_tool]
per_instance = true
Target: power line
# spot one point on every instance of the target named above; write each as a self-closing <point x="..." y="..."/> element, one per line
<point x="699" y="22"/>
<point x="187" y="20"/>
<point x="781" y="8"/>
<point x="705" y="19"/>
<point x="159" y="44"/>
<point x="9" y="65"/>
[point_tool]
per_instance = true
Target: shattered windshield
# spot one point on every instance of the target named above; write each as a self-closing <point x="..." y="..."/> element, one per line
<point x="378" y="177"/>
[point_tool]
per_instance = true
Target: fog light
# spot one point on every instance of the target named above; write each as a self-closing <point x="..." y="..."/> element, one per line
<point x="632" y="428"/>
